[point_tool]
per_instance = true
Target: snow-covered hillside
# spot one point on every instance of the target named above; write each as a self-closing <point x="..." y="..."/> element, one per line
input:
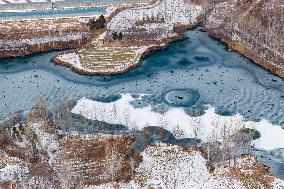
<point x="158" y="19"/>
<point x="174" y="167"/>
<point x="20" y="38"/>
<point x="254" y="27"/>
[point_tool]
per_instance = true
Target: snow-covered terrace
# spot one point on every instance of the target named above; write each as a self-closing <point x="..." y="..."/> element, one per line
<point x="102" y="60"/>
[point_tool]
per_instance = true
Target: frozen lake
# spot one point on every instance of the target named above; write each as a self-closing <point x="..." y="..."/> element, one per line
<point x="14" y="5"/>
<point x="190" y="74"/>
<point x="52" y="13"/>
<point x="225" y="80"/>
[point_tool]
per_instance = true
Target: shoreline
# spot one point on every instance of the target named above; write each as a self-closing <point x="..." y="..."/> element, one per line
<point x="50" y="9"/>
<point x="141" y="57"/>
<point x="163" y="44"/>
<point x="234" y="45"/>
<point x="45" y="48"/>
<point x="243" y="50"/>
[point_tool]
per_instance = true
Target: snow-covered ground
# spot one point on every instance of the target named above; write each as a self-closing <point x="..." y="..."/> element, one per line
<point x="14" y="169"/>
<point x="169" y="12"/>
<point x="163" y="166"/>
<point x="172" y="167"/>
<point x="23" y="43"/>
<point x="47" y="141"/>
<point x="209" y="126"/>
<point x="23" y="34"/>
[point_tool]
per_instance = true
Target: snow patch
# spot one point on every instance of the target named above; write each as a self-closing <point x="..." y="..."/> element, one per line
<point x="208" y="127"/>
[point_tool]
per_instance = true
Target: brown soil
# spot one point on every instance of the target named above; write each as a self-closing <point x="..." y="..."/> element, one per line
<point x="257" y="174"/>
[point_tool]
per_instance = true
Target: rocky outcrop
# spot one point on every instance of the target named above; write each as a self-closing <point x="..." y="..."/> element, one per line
<point x="45" y="47"/>
<point x="247" y="52"/>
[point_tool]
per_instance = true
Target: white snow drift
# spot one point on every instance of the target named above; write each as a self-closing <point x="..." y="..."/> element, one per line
<point x="209" y="126"/>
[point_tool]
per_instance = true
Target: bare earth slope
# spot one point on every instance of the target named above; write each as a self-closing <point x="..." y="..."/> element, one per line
<point x="254" y="28"/>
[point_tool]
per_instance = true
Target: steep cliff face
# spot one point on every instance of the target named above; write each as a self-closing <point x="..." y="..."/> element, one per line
<point x="20" y="38"/>
<point x="254" y="28"/>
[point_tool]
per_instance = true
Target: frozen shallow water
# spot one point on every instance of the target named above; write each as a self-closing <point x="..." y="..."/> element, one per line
<point x="190" y="74"/>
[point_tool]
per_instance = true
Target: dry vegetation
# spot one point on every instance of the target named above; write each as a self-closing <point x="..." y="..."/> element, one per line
<point x="251" y="173"/>
<point x="81" y="159"/>
<point x="43" y="153"/>
<point x="256" y="26"/>
<point x="107" y="57"/>
<point x="14" y="30"/>
<point x="19" y="38"/>
<point x="99" y="160"/>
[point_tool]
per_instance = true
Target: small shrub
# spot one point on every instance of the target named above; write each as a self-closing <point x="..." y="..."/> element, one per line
<point x="117" y="36"/>
<point x="97" y="24"/>
<point x="120" y="36"/>
<point x="114" y="36"/>
<point x="2" y="164"/>
<point x="22" y="129"/>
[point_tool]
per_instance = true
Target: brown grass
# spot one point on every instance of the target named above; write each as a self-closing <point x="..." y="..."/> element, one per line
<point x="88" y="160"/>
<point x="258" y="175"/>
<point x="148" y="21"/>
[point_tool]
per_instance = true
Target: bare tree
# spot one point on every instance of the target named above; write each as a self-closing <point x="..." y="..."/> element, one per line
<point x="114" y="160"/>
<point x="40" y="110"/>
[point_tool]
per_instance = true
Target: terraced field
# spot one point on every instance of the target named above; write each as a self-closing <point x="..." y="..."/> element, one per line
<point x="109" y="58"/>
